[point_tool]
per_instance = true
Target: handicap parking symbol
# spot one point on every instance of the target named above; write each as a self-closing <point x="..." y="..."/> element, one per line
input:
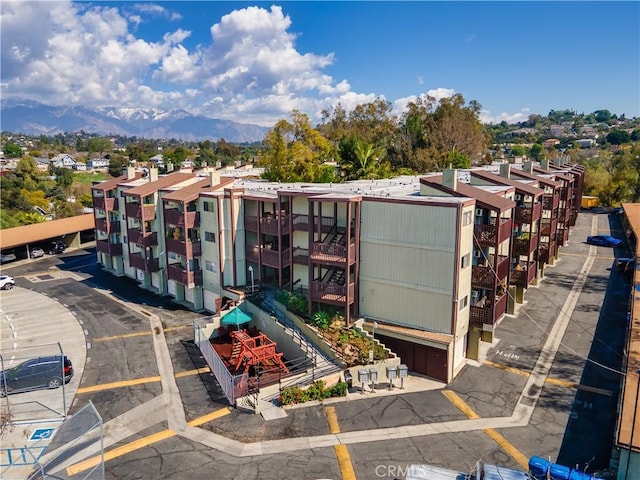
<point x="42" y="433"/>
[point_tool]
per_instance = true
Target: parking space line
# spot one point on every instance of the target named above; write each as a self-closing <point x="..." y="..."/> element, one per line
<point x="497" y="437"/>
<point x="551" y="380"/>
<point x="138" y="381"/>
<point x="342" y="452"/>
<point x="139" y="334"/>
<point x="141" y="443"/>
<point x="209" y="417"/>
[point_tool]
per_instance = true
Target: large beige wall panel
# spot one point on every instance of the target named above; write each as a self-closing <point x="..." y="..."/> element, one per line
<point x="407" y="264"/>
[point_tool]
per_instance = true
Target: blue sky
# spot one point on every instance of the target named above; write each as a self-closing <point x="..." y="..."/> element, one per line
<point x="256" y="62"/>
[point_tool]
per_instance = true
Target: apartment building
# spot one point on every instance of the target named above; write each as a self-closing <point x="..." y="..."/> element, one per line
<point x="430" y="259"/>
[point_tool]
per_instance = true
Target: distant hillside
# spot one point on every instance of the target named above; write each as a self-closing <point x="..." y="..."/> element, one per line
<point x="33" y="118"/>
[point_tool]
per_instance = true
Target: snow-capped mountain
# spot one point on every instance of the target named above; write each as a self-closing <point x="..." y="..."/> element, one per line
<point x="33" y="118"/>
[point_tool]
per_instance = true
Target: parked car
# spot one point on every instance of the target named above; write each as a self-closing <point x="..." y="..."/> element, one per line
<point x="604" y="241"/>
<point x="6" y="282"/>
<point x="7" y="257"/>
<point x="57" y="246"/>
<point x="37" y="253"/>
<point x="36" y="373"/>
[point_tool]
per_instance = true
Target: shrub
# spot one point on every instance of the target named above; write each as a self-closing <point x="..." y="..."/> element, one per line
<point x="317" y="391"/>
<point x="282" y="296"/>
<point x="297" y="303"/>
<point x="321" y="319"/>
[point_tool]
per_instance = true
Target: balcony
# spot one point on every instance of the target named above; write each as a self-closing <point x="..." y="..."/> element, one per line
<point x="270" y="224"/>
<point x="484" y="277"/>
<point x="523" y="278"/>
<point x="143" y="213"/>
<point x="185" y="248"/>
<point x="251" y="254"/>
<point x="271" y="258"/>
<point x="548" y="227"/>
<point x="173" y="216"/>
<point x="113" y="249"/>
<point x="105" y="203"/>
<point x="301" y="223"/>
<point x="179" y="274"/>
<point x="332" y="293"/>
<point x="528" y="215"/>
<point x="551" y="202"/>
<point x="146" y="239"/>
<point x="488" y="314"/>
<point x="525" y="245"/>
<point x="301" y="256"/>
<point x="332" y="254"/>
<point x="108" y="226"/>
<point x="492" y="234"/>
<point x="136" y="260"/>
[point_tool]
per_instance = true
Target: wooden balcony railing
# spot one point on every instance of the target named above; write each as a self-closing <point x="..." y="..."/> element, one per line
<point x="272" y="258"/>
<point x="301" y="256"/>
<point x="251" y="254"/>
<point x="108" y="226"/>
<point x="113" y="249"/>
<point x="484" y="277"/>
<point x="331" y="253"/>
<point x="488" y="314"/>
<point x="185" y="248"/>
<point x="523" y="278"/>
<point x="183" y="276"/>
<point x="550" y="202"/>
<point x="492" y="234"/>
<point x="529" y="214"/>
<point x="173" y="216"/>
<point x="301" y="223"/>
<point x="332" y="293"/>
<point x="269" y="225"/>
<point x="548" y="226"/>
<point x="136" y="260"/>
<point x="141" y="212"/>
<point x="105" y="203"/>
<point x="524" y="246"/>
<point x="147" y="239"/>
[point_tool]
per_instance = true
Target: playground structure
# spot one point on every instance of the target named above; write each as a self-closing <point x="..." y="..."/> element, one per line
<point x="257" y="353"/>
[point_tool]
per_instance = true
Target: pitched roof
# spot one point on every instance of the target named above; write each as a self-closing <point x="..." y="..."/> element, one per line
<point x="26" y="234"/>
<point x="492" y="177"/>
<point x="487" y="199"/>
<point x="193" y="191"/>
<point x="114" y="182"/>
<point x="163" y="182"/>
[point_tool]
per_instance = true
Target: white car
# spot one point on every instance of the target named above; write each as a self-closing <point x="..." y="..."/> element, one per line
<point x="37" y="253"/>
<point x="6" y="282"/>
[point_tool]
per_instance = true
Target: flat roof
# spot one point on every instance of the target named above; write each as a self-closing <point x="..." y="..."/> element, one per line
<point x="482" y="196"/>
<point x="629" y="403"/>
<point x="37" y="232"/>
<point x="492" y="177"/>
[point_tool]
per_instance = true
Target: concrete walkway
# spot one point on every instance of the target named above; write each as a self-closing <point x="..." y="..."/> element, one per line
<point x="169" y="406"/>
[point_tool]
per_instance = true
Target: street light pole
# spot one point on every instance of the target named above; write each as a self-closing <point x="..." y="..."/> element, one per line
<point x="633" y="423"/>
<point x="251" y="273"/>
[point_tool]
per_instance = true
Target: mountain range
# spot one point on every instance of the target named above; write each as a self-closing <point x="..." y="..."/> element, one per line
<point x="34" y="118"/>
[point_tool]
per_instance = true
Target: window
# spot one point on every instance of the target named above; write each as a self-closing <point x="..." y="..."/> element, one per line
<point x="467" y="218"/>
<point x="479" y="212"/>
<point x="464" y="301"/>
<point x="210" y="266"/>
<point x="464" y="261"/>
<point x="477" y="253"/>
<point x="210" y="237"/>
<point x="209" y="207"/>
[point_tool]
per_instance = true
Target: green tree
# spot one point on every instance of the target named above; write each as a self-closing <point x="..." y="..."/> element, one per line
<point x="537" y="152"/>
<point x="64" y="178"/>
<point x="11" y="150"/>
<point x="366" y="161"/>
<point x="458" y="160"/>
<point x="294" y="151"/>
<point x="116" y="164"/>
<point x="618" y="137"/>
<point x="100" y="145"/>
<point x="518" y="150"/>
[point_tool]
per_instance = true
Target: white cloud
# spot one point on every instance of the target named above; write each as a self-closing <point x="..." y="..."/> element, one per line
<point x="250" y="71"/>
<point x="521" y="116"/>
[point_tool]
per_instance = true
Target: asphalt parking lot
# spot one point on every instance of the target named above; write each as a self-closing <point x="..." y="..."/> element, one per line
<point x="573" y="420"/>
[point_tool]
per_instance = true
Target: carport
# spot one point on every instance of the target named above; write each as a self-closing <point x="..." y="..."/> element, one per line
<point x="28" y="236"/>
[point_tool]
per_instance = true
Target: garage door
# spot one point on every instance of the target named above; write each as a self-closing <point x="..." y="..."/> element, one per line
<point x="418" y="358"/>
